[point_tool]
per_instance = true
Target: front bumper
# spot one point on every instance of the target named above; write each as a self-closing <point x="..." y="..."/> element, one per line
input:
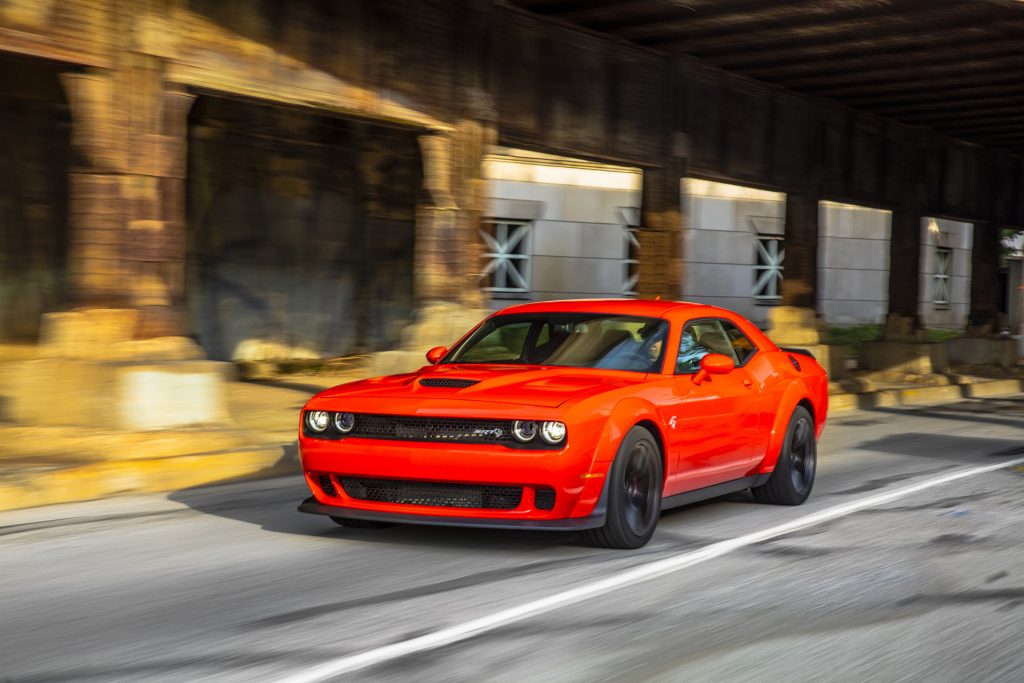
<point x="567" y="472"/>
<point x="593" y="521"/>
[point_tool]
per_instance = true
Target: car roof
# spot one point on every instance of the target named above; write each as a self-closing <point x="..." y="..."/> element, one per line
<point x="655" y="308"/>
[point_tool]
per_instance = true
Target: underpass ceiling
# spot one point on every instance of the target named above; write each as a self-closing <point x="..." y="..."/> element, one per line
<point x="956" y="66"/>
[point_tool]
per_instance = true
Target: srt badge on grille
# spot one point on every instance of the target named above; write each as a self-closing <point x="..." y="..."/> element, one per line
<point x="493" y="433"/>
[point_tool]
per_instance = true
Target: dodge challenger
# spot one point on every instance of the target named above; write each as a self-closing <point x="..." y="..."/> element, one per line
<point x="590" y="416"/>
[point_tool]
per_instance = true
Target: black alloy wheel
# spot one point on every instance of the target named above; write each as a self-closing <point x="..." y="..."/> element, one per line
<point x="793" y="478"/>
<point x="634" y="489"/>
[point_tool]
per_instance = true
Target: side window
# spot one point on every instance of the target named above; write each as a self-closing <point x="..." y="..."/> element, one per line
<point x="700" y="338"/>
<point x="742" y="347"/>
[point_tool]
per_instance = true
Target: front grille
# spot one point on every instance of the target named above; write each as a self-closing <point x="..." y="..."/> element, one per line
<point x="433" y="493"/>
<point x="451" y="383"/>
<point x="544" y="498"/>
<point x="408" y="428"/>
<point x="327" y="485"/>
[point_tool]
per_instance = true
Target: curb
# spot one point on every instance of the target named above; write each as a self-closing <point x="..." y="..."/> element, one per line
<point x="48" y="482"/>
<point x="916" y="396"/>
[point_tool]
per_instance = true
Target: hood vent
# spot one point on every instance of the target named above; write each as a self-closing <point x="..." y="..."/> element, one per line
<point x="451" y="383"/>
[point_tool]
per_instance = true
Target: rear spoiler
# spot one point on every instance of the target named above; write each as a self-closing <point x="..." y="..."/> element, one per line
<point x="802" y="352"/>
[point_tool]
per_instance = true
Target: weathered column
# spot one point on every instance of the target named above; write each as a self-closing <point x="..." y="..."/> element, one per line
<point x="800" y="268"/>
<point x="984" y="311"/>
<point x="1015" y="295"/>
<point x="438" y="242"/>
<point x="795" y="321"/>
<point x="127" y="224"/>
<point x="447" y="255"/>
<point x="904" y="353"/>
<point x="155" y="244"/>
<point x="96" y="277"/>
<point x="902" y="320"/>
<point x="660" y="267"/>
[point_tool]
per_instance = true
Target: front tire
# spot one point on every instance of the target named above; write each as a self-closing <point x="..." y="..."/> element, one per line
<point x="634" y="494"/>
<point x="793" y="478"/>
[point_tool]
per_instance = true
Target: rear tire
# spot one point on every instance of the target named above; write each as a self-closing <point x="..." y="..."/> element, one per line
<point x="634" y="494"/>
<point x="793" y="478"/>
<point x="360" y="523"/>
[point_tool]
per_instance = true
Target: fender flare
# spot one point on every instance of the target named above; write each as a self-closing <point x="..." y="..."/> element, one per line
<point x="793" y="395"/>
<point x="626" y="415"/>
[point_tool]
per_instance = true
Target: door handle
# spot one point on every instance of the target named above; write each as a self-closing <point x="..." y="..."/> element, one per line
<point x="747" y="383"/>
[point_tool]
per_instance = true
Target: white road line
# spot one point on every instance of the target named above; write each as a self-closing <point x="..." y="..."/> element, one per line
<point x="646" y="572"/>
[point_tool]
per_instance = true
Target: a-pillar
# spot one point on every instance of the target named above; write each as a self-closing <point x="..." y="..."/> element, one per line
<point x="794" y="322"/>
<point x="447" y="254"/>
<point x="660" y="237"/>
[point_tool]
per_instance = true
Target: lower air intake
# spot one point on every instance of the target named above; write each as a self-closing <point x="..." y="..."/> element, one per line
<point x="327" y="485"/>
<point x="433" y="493"/>
<point x="544" y="498"/>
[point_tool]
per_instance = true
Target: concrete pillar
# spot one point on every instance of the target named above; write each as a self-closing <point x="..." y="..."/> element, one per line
<point x="982" y="319"/>
<point x="800" y="268"/>
<point x="1015" y="295"/>
<point x="660" y="267"/>
<point x="796" y="322"/>
<point x="96" y="276"/>
<point x="903" y="354"/>
<point x="127" y="224"/>
<point x="904" y="275"/>
<point x="447" y="255"/>
<point x="437" y="261"/>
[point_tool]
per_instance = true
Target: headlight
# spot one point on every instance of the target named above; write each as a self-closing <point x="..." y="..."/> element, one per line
<point x="553" y="432"/>
<point x="524" y="430"/>
<point x="344" y="422"/>
<point x="317" y="420"/>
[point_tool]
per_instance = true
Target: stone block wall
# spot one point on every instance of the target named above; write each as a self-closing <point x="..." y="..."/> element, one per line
<point x="853" y="263"/>
<point x="721" y="226"/>
<point x="958" y="237"/>
<point x="579" y="214"/>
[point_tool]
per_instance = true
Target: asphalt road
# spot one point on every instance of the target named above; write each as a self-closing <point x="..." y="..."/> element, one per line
<point x="231" y="583"/>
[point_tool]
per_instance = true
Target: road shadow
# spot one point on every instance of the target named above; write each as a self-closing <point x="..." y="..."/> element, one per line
<point x="948" y="447"/>
<point x="271" y="505"/>
<point x="1001" y="411"/>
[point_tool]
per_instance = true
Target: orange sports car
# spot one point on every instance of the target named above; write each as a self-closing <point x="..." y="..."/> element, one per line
<point x="571" y="415"/>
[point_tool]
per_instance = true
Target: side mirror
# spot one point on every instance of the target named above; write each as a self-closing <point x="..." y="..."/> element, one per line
<point x="713" y="364"/>
<point x="435" y="354"/>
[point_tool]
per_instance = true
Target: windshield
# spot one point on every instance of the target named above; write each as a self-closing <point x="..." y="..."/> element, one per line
<point x="576" y="340"/>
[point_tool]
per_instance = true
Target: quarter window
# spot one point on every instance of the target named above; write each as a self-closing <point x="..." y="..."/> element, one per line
<point x="741" y="345"/>
<point x="700" y="338"/>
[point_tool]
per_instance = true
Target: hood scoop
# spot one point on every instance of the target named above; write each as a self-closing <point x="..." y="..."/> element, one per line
<point x="451" y="383"/>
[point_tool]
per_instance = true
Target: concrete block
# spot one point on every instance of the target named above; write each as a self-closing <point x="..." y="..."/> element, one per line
<point x="119" y="395"/>
<point x="794" y="326"/>
<point x="928" y="395"/>
<point x="1001" y="351"/>
<point x="842" y="403"/>
<point x="1000" y="387"/>
<point x="85" y="333"/>
<point x="915" y="358"/>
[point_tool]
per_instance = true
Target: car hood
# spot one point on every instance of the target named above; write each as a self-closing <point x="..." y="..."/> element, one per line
<point x="532" y="385"/>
